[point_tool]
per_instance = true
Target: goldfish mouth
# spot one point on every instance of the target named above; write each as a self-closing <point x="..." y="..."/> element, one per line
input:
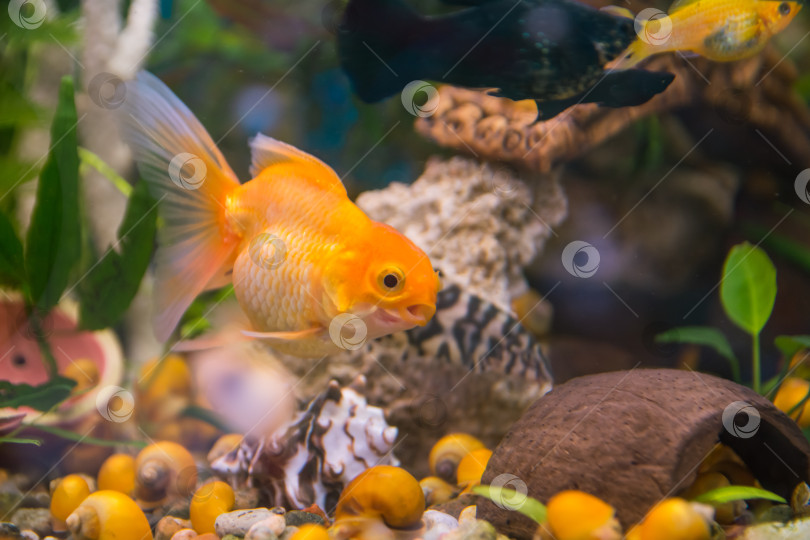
<point x="418" y="314"/>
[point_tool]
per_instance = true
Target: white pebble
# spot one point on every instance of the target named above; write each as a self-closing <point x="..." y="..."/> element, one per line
<point x="467" y="515"/>
<point x="437" y="523"/>
<point x="267" y="529"/>
<point x="185" y="534"/>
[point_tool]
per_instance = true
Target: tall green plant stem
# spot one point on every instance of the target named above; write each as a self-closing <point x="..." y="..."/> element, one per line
<point x="755" y="363"/>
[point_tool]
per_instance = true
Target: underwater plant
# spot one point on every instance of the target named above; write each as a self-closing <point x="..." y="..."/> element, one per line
<point x="748" y="294"/>
<point x="56" y="260"/>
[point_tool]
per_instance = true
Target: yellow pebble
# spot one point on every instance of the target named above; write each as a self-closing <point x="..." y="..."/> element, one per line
<point x="791" y="392"/>
<point x="472" y="467"/>
<point x="68" y="495"/>
<point x="576" y="515"/>
<point x="674" y="519"/>
<point x="118" y="473"/>
<point x="310" y="531"/>
<point x="211" y="500"/>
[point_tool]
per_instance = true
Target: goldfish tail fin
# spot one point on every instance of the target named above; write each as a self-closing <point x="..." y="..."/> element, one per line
<point x="191" y="180"/>
<point x="373" y="39"/>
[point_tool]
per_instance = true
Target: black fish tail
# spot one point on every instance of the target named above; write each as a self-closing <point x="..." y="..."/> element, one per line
<point x="374" y="40"/>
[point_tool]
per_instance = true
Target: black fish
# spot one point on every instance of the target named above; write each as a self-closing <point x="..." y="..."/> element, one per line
<point x="552" y="51"/>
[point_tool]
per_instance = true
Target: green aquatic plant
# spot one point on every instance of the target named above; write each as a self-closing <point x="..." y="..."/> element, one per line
<point x="728" y="494"/>
<point x="748" y="295"/>
<point x="55" y="259"/>
<point x="514" y="500"/>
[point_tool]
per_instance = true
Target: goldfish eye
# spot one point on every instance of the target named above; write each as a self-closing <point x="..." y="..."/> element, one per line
<point x="391" y="279"/>
<point x="784" y="8"/>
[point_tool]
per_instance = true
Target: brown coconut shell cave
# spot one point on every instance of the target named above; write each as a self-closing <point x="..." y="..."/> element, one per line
<point x="635" y="437"/>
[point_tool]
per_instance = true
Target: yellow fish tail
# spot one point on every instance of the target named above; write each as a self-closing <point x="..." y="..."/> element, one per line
<point x="190" y="179"/>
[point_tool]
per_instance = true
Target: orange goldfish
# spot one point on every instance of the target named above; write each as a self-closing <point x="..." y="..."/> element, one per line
<point x="721" y="30"/>
<point x="304" y="260"/>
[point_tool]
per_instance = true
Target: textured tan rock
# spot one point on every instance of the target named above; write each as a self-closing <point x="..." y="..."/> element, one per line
<point x="635" y="437"/>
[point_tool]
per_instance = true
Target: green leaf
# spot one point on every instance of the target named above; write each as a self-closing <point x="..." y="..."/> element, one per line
<point x="53" y="245"/>
<point x="790" y="345"/>
<point x="12" y="271"/>
<point x="110" y="284"/>
<point x="78" y="437"/>
<point x="16" y="440"/>
<point x="706" y="336"/>
<point x="726" y="494"/>
<point x="92" y="160"/>
<point x="748" y="289"/>
<point x="42" y="398"/>
<point x="206" y="415"/>
<point x="514" y="500"/>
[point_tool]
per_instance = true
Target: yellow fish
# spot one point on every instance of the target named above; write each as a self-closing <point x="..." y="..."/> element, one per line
<point x="721" y="30"/>
<point x="310" y="270"/>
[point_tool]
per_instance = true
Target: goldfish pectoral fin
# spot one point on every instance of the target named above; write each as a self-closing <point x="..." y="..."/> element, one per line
<point x="207" y="342"/>
<point x="266" y="151"/>
<point x="294" y="335"/>
<point x="191" y="180"/>
<point x="618" y="11"/>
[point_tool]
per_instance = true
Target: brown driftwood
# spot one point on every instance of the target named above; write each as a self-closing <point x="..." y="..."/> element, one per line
<point x="757" y="92"/>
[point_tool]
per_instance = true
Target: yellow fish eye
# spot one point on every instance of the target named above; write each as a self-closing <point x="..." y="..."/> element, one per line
<point x="391" y="280"/>
<point x="784" y="8"/>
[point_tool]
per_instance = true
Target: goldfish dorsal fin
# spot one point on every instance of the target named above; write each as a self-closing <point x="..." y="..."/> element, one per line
<point x="266" y="151"/>
<point x="191" y="180"/>
<point x="618" y="11"/>
<point x="678" y="5"/>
